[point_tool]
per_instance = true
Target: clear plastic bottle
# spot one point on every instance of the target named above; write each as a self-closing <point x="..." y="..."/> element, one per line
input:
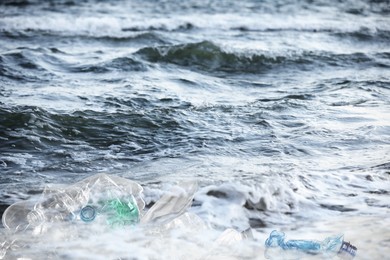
<point x="278" y="248"/>
<point x="114" y="200"/>
<point x="99" y="199"/>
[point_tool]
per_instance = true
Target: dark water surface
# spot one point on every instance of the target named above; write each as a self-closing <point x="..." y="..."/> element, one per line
<point x="286" y="103"/>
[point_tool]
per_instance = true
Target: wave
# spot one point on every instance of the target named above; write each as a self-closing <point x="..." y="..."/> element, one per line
<point x="133" y="133"/>
<point x="94" y="27"/>
<point x="24" y="3"/>
<point x="22" y="65"/>
<point x="365" y="34"/>
<point x="208" y="56"/>
<point x="42" y="64"/>
<point x="122" y="64"/>
<point x="39" y="35"/>
<point x="137" y="128"/>
<point x="88" y="127"/>
<point x="360" y="34"/>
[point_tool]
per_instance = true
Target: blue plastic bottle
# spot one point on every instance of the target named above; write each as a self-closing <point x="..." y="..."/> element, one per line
<point x="278" y="248"/>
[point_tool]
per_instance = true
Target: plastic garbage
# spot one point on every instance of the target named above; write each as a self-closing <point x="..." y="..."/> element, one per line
<point x="278" y="248"/>
<point x="172" y="204"/>
<point x="96" y="206"/>
<point x="100" y="198"/>
<point x="115" y="211"/>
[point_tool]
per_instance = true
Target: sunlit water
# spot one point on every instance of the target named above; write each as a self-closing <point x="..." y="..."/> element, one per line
<point x="279" y="109"/>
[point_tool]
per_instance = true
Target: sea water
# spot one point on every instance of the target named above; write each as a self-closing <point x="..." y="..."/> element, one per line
<point x="280" y="110"/>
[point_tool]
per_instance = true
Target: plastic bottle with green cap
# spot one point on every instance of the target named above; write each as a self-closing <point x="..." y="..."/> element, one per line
<point x="99" y="199"/>
<point x="115" y="212"/>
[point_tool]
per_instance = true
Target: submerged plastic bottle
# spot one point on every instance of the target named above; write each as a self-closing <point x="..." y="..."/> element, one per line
<point x="278" y="248"/>
<point x="100" y="199"/>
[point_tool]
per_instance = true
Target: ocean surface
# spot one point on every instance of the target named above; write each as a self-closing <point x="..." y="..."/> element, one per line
<point x="279" y="109"/>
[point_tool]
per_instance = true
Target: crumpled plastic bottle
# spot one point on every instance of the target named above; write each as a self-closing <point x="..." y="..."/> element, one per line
<point x="110" y="199"/>
<point x="101" y="199"/>
<point x="278" y="248"/>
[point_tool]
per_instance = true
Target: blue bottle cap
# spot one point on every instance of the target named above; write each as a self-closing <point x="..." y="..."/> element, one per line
<point x="88" y="213"/>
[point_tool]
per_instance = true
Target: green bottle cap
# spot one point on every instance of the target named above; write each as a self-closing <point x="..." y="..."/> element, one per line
<point x="121" y="212"/>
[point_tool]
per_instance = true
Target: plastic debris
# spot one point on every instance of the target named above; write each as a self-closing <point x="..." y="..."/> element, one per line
<point x="96" y="204"/>
<point x="100" y="198"/>
<point x="100" y="204"/>
<point x="278" y="248"/>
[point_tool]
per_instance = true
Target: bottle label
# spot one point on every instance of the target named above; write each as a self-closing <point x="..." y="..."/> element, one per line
<point x="347" y="250"/>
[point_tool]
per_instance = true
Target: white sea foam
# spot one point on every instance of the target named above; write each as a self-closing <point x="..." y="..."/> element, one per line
<point x="65" y="24"/>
